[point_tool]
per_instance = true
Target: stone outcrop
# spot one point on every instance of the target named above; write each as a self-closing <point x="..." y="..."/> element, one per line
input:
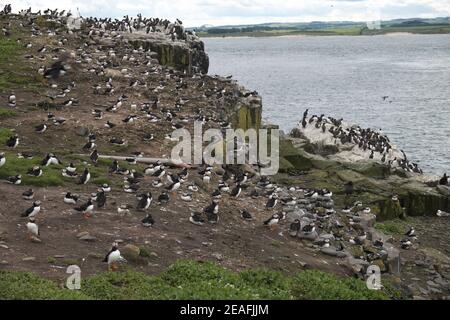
<point x="188" y="56"/>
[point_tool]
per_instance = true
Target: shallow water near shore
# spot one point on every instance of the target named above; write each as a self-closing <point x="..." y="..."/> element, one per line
<point x="348" y="76"/>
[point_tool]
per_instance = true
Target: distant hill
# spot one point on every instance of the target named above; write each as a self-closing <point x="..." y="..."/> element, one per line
<point x="413" y="25"/>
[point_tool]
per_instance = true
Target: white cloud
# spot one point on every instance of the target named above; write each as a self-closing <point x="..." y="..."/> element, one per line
<point x="219" y="12"/>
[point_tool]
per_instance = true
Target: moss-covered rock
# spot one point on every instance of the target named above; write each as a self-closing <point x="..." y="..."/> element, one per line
<point x="389" y="210"/>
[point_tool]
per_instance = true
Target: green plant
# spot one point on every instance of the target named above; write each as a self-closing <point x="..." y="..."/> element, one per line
<point x="7" y="113"/>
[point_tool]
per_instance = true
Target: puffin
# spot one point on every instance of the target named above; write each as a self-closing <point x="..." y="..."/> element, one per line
<point x="94" y="157"/>
<point x="101" y="198"/>
<point x="163" y="198"/>
<point x="71" y="168"/>
<point x="2" y="159"/>
<point x="28" y="195"/>
<point x="32" y="227"/>
<point x="295" y="227"/>
<point x="272" y="202"/>
<point x="15" y="179"/>
<point x="114" y="257"/>
<point x="70" y="198"/>
<point x="33" y="210"/>
<point x="196" y="219"/>
<point x="213" y="207"/>
<point x="86" y="209"/>
<point x="145" y="201"/>
<point x="12" y="142"/>
<point x="272" y="221"/>
<point x="84" y="179"/>
<point x="236" y="191"/>
<point x="175" y="185"/>
<point x="246" y="215"/>
<point x="35" y="171"/>
<point x="148" y="221"/>
<point x="411" y="232"/>
<point x="187" y="197"/>
<point x="41" y="128"/>
<point x="106" y="188"/>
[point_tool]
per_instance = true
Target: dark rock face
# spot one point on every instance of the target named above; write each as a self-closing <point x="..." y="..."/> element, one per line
<point x="184" y="56"/>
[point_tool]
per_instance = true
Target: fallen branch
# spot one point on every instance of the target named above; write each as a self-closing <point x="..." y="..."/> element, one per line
<point x="165" y="161"/>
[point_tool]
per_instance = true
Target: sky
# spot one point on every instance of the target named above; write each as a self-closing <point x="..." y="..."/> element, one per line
<point x="233" y="12"/>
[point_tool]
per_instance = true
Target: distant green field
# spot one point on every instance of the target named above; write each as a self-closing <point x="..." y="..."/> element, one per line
<point x="353" y="31"/>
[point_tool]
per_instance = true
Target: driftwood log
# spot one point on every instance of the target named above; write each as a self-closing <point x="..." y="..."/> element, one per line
<point x="165" y="161"/>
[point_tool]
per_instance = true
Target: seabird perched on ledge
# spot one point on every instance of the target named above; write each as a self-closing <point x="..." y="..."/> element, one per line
<point x="444" y="180"/>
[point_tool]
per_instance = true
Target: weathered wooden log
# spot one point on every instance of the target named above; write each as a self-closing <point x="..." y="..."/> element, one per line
<point x="165" y="161"/>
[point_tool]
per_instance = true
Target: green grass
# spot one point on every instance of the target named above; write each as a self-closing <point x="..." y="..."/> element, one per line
<point x="393" y="227"/>
<point x="6" y="113"/>
<point x="51" y="176"/>
<point x="191" y="280"/>
<point x="14" y="73"/>
<point x="5" y="134"/>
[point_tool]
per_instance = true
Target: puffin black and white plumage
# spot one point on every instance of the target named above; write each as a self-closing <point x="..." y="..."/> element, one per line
<point x="236" y="191"/>
<point x="196" y="218"/>
<point x="163" y="198"/>
<point x="12" y="101"/>
<point x="187" y="197"/>
<point x="411" y="232"/>
<point x="35" y="171"/>
<point x="33" y="210"/>
<point x="148" y="221"/>
<point x="41" y="128"/>
<point x="89" y="145"/>
<point x="114" y="257"/>
<point x="246" y="215"/>
<point x="12" y="142"/>
<point x="213" y="207"/>
<point x="216" y="194"/>
<point x="28" y="195"/>
<point x="94" y="157"/>
<point x="295" y="227"/>
<point x="159" y="173"/>
<point x="109" y="125"/>
<point x="242" y="179"/>
<point x="175" y="185"/>
<point x="71" y="168"/>
<point x="272" y="202"/>
<point x="15" y="179"/>
<point x="309" y="228"/>
<point x="2" y="159"/>
<point x="145" y="201"/>
<point x="101" y="198"/>
<point x="106" y="188"/>
<point x="32" y="227"/>
<point x="50" y="159"/>
<point x="70" y="198"/>
<point x="86" y="176"/>
<point x="406" y="244"/>
<point x="86" y="208"/>
<point x="272" y="221"/>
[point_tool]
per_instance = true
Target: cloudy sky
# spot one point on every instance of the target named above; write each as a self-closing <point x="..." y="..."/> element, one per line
<point x="224" y="12"/>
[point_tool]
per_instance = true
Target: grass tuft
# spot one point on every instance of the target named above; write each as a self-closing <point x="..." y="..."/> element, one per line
<point x="188" y="279"/>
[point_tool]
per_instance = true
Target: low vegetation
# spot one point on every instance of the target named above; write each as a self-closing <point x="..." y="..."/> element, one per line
<point x="13" y="72"/>
<point x="188" y="279"/>
<point x="6" y="113"/>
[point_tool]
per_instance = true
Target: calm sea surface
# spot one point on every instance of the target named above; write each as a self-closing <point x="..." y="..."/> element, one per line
<point x="348" y="77"/>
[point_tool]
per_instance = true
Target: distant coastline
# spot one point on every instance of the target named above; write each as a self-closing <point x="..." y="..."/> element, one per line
<point x="356" y="31"/>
